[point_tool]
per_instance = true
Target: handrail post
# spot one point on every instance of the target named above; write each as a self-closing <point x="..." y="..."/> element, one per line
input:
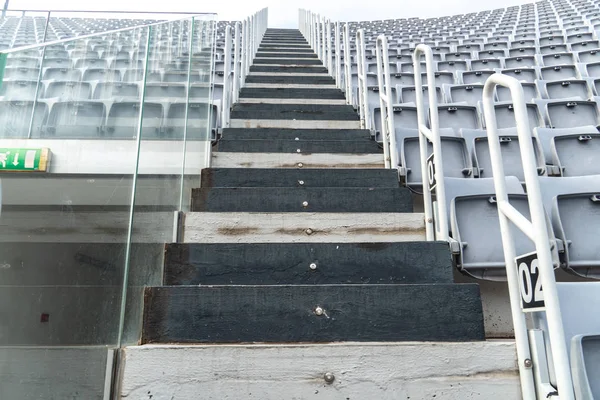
<point x="318" y="43"/>
<point x="329" y="52"/>
<point x="338" y="57"/>
<point x="363" y="103"/>
<point x="227" y="70"/>
<point x="323" y="42"/>
<point x="348" y="66"/>
<point x="244" y="54"/>
<point x="539" y="235"/>
<point x="390" y="150"/>
<point x="236" y="64"/>
<point x="431" y="222"/>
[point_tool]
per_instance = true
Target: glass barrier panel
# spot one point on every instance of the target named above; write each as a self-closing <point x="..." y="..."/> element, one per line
<point x="68" y="154"/>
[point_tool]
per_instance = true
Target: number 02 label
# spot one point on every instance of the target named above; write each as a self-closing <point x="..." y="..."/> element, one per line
<point x="530" y="284"/>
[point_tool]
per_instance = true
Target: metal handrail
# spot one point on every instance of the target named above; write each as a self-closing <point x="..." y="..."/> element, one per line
<point x="390" y="150"/>
<point x="329" y="59"/>
<point x="237" y="51"/>
<point x="348" y="66"/>
<point x="338" y="57"/>
<point x="363" y="103"/>
<point x="226" y="102"/>
<point x="536" y="230"/>
<point x="436" y="224"/>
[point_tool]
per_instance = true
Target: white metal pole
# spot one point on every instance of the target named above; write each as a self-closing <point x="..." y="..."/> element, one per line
<point x="362" y="79"/>
<point x="318" y="32"/>
<point x="433" y="135"/>
<point x="236" y="65"/>
<point x="329" y="64"/>
<point x="338" y="57"/>
<point x="538" y="233"/>
<point x="226" y="82"/>
<point x="323" y="42"/>
<point x="348" y="66"/>
<point x="244" y="54"/>
<point x="388" y="133"/>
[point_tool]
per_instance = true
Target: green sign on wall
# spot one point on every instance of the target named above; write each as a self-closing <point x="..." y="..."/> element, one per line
<point x="19" y="160"/>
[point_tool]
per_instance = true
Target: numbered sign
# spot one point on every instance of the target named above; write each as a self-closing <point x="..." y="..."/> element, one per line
<point x="431" y="173"/>
<point x="530" y="284"/>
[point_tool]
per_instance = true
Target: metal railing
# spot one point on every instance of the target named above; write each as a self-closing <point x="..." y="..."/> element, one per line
<point x="252" y="31"/>
<point x="390" y="150"/>
<point x="363" y="102"/>
<point x="348" y="66"/>
<point x="432" y="167"/>
<point x="317" y="32"/>
<point x="536" y="231"/>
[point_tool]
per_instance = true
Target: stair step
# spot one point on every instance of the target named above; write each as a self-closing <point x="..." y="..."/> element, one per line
<point x="298" y="50"/>
<point x="283" y="54"/>
<point x="290" y="70"/>
<point x="308" y="112"/>
<point x="361" y="313"/>
<point x="300" y="199"/>
<point x="291" y="79"/>
<point x="205" y="227"/>
<point x="284" y="160"/>
<point x="271" y="177"/>
<point x="290" y="263"/>
<point x="292" y="93"/>
<point x="299" y="146"/>
<point x="289" y="45"/>
<point x="286" y="61"/>
<point x="303" y="134"/>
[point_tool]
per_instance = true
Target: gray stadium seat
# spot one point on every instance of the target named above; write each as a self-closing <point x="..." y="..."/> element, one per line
<point x="197" y="123"/>
<point x="569" y="114"/>
<point x="15" y="117"/>
<point x="564" y="89"/>
<point x="70" y="119"/>
<point x="123" y="118"/>
<point x="68" y="90"/>
<point x="116" y="90"/>
<point x="469" y="94"/>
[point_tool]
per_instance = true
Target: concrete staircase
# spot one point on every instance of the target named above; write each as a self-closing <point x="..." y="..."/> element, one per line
<point x="303" y="271"/>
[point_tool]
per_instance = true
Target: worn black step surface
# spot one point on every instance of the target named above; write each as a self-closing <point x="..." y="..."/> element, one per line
<point x="292" y="93"/>
<point x="312" y="313"/>
<point x="304" y="134"/>
<point x="291" y="61"/>
<point x="284" y="54"/>
<point x="298" y="146"/>
<point x="288" y="177"/>
<point x="289" y="70"/>
<point x="286" y="50"/>
<point x="290" y="45"/>
<point x="307" y="263"/>
<point x="291" y="80"/>
<point x="322" y="112"/>
<point x="313" y="199"/>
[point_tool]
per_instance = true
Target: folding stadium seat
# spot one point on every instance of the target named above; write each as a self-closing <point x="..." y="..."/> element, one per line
<point x="126" y="64"/>
<point x="523" y="43"/>
<point x="530" y="91"/>
<point x="15" y="117"/>
<point x="62" y="74"/>
<point x="553" y="39"/>
<point x="474" y="223"/>
<point x="458" y="56"/>
<point x="135" y="75"/>
<point x="457" y="162"/>
<point x="467" y="48"/>
<point x="56" y="53"/>
<point x="557" y="72"/>
<point x="505" y="117"/>
<point x="491" y="46"/>
<point x="475" y="77"/>
<point x="408" y="94"/>
<point x="404" y="79"/>
<point x="569" y="113"/>
<point x="483" y="64"/>
<point x="489" y="54"/>
<point x="458" y="116"/>
<point x="180" y="76"/>
<point x="405" y="117"/>
<point x="452" y="66"/>
<point x="21" y="73"/>
<point x="469" y="94"/>
<point x="113" y="90"/>
<point x="579" y="37"/>
<point x="21" y="90"/>
<point x="165" y="90"/>
<point x="565" y="89"/>
<point x="91" y="63"/>
<point x="520" y="62"/>
<point x="522" y="52"/>
<point x="201" y="116"/>
<point x="75" y="119"/>
<point x="585" y="45"/>
<point x="589" y="56"/>
<point x="558" y="59"/>
<point x="23" y="62"/>
<point x="68" y="90"/>
<point x="123" y="119"/>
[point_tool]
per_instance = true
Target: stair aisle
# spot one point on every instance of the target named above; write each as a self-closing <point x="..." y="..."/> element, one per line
<point x="299" y="237"/>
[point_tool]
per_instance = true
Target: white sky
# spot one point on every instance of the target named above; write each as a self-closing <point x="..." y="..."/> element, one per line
<point x="283" y="13"/>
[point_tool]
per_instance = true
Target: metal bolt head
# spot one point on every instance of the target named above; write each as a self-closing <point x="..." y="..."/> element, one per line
<point x="319" y="311"/>
<point x="309" y="231"/>
<point x="305" y="204"/>
<point x="298" y="151"/>
<point x="312" y="266"/>
<point x="528" y="363"/>
<point x="297" y="138"/>
<point x="301" y="183"/>
<point x="329" y="377"/>
<point x="300" y="165"/>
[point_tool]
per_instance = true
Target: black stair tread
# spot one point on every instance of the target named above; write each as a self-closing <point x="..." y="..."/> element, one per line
<point x="288" y="177"/>
<point x="305" y="134"/>
<point x="322" y="112"/>
<point x="291" y="45"/>
<point x="292" y="93"/>
<point x="288" y="61"/>
<point x="307" y="263"/>
<point x="309" y="108"/>
<point x="283" y="49"/>
<point x="305" y="80"/>
<point x="378" y="313"/>
<point x="299" y="146"/>
<point x="300" y="199"/>
<point x="284" y="54"/>
<point x="289" y="70"/>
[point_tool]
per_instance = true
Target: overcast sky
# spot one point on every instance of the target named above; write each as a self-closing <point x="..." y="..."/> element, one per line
<point x="282" y="13"/>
